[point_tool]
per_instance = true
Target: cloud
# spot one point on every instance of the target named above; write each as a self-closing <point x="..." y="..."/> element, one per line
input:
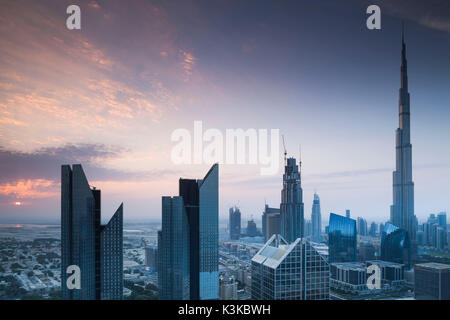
<point x="36" y="188"/>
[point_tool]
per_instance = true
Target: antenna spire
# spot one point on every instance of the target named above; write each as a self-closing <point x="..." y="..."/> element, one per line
<point x="285" y="152"/>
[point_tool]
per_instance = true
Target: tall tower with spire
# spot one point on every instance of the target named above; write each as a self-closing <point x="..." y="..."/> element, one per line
<point x="291" y="207"/>
<point x="402" y="209"/>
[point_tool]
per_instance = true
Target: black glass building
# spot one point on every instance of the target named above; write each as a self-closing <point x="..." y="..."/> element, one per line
<point x="395" y="245"/>
<point x="341" y="239"/>
<point x="95" y="249"/>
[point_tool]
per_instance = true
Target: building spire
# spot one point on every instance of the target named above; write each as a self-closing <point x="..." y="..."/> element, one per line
<point x="404" y="67"/>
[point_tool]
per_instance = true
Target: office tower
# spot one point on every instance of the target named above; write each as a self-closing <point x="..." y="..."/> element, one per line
<point x="342" y="239"/>
<point x="201" y="201"/>
<point x="347" y="213"/>
<point x="174" y="275"/>
<point x="252" y="231"/>
<point x="402" y="209"/>
<point x="361" y="226"/>
<point x="307" y="232"/>
<point x="316" y="220"/>
<point x="289" y="271"/>
<point x="432" y="281"/>
<point x="442" y="220"/>
<point x="235" y="223"/>
<point x="380" y="229"/>
<point x="366" y="251"/>
<point x="395" y="245"/>
<point x="373" y="229"/>
<point x="96" y="249"/>
<point x="151" y="257"/>
<point x="291" y="208"/>
<point x="270" y="222"/>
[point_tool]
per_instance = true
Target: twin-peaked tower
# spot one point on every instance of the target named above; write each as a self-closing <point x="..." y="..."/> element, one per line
<point x="402" y="209"/>
<point x="96" y="249"/>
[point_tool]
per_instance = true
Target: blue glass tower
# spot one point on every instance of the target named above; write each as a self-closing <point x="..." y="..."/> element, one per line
<point x="201" y="202"/>
<point x="173" y="242"/>
<point x="395" y="245"/>
<point x="341" y="239"/>
<point x="95" y="249"/>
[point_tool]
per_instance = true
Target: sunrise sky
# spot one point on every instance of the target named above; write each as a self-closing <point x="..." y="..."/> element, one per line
<point x="109" y="96"/>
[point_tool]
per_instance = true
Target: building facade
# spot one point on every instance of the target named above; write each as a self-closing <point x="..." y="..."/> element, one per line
<point x="271" y="222"/>
<point x="342" y="239"/>
<point x="174" y="274"/>
<point x="402" y="209"/>
<point x="395" y="245"/>
<point x="316" y="220"/>
<point x="234" y="223"/>
<point x="289" y="271"/>
<point x="432" y="281"/>
<point x="291" y="207"/>
<point x="95" y="249"/>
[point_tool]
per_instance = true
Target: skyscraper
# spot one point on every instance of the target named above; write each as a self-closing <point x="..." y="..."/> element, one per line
<point x="291" y="208"/>
<point x="201" y="201"/>
<point x="402" y="209"/>
<point x="235" y="223"/>
<point x="174" y="275"/>
<point x="270" y="222"/>
<point x="289" y="271"/>
<point x="96" y="249"/>
<point x="316" y="220"/>
<point x="395" y="245"/>
<point x="341" y="239"/>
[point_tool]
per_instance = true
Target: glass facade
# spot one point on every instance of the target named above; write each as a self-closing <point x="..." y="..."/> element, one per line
<point x="291" y="207"/>
<point x="395" y="245"/>
<point x="173" y="243"/>
<point x="341" y="239"/>
<point x="235" y="223"/>
<point x="82" y="240"/>
<point x="296" y="271"/>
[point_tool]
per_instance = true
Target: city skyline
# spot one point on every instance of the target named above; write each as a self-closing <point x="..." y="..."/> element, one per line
<point x="115" y="115"/>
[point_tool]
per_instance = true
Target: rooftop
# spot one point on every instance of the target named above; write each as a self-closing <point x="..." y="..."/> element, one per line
<point x="434" y="265"/>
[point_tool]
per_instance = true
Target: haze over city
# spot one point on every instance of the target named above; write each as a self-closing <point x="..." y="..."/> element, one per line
<point x="110" y="95"/>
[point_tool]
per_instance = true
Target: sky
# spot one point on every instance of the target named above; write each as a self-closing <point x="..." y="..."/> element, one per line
<point x="110" y="95"/>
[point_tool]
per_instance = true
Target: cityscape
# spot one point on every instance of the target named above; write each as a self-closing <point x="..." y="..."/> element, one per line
<point x="198" y="246"/>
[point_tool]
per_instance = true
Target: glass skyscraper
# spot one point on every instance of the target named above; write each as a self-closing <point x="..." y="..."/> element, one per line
<point x="173" y="243"/>
<point x="96" y="249"/>
<point x="289" y="271"/>
<point x="235" y="223"/>
<point x="291" y="208"/>
<point x="395" y="245"/>
<point x="200" y="202"/>
<point x="341" y="239"/>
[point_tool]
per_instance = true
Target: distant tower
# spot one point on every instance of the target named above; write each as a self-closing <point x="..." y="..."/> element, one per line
<point x="291" y="208"/>
<point x="316" y="220"/>
<point x="96" y="249"/>
<point x="347" y="213"/>
<point x="402" y="209"/>
<point x="235" y="223"/>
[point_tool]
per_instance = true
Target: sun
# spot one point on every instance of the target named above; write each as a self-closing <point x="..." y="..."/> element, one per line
<point x="17" y="203"/>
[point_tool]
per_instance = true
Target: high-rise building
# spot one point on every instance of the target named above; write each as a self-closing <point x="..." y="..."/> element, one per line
<point x="151" y="257"/>
<point x="402" y="209"/>
<point x="235" y="223"/>
<point x="442" y="220"/>
<point x="432" y="281"/>
<point x="291" y="208"/>
<point x="201" y="201"/>
<point x="289" y="271"/>
<point x="342" y="239"/>
<point x="316" y="220"/>
<point x="174" y="274"/>
<point x="96" y="249"/>
<point x="361" y="226"/>
<point x="252" y="230"/>
<point x="373" y="229"/>
<point x="395" y="245"/>
<point x="271" y="222"/>
<point x="347" y="213"/>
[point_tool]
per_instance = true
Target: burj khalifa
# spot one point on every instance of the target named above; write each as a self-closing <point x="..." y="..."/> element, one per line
<point x="402" y="209"/>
